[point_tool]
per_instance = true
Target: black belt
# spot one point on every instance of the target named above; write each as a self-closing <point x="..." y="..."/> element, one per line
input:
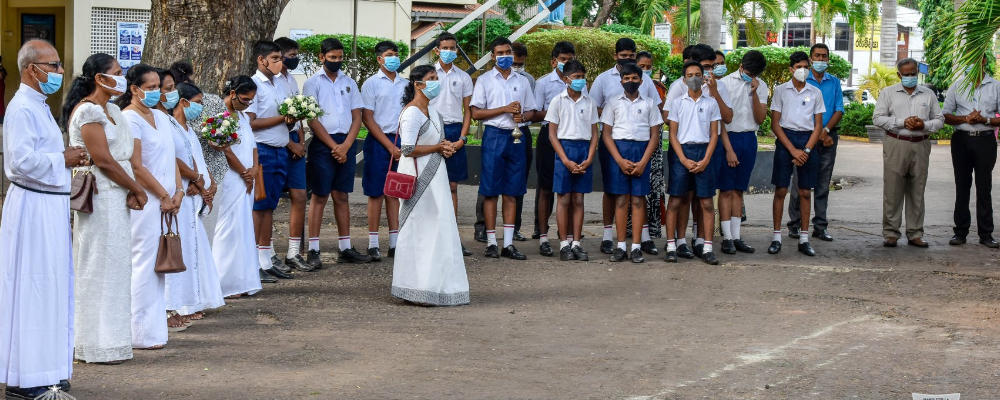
<point x="39" y="190"/>
<point x="976" y="133"/>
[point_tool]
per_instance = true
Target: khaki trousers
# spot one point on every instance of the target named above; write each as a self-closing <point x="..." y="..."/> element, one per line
<point x="904" y="172"/>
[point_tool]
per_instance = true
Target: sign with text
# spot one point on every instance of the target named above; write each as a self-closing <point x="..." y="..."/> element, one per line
<point x="131" y="38"/>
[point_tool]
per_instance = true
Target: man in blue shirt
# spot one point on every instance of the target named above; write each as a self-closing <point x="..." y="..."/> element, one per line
<point x="833" y="97"/>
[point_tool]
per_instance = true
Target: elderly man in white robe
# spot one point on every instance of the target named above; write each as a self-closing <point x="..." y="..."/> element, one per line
<point x="36" y="251"/>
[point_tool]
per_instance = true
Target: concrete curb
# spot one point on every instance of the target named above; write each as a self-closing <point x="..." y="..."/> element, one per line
<point x="941" y="142"/>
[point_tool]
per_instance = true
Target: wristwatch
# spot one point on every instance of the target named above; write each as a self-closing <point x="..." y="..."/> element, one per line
<point x="465" y="139"/>
<point x="807" y="150"/>
<point x="827" y="130"/>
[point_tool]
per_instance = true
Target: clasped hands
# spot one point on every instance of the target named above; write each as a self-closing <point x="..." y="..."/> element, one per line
<point x="575" y="168"/>
<point x="916" y="124"/>
<point x="631" y="168"/>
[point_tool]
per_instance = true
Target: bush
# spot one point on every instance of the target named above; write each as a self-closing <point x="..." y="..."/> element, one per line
<point x="675" y="63"/>
<point x="619" y="28"/>
<point x="777" y="71"/>
<point x="856" y="116"/>
<point x="594" y="48"/>
<point x="880" y="78"/>
<point x="943" y="134"/>
<point x="468" y="37"/>
<point x="367" y="63"/>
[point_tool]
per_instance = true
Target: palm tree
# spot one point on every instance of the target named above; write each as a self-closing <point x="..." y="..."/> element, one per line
<point x="796" y="8"/>
<point x="745" y="12"/>
<point x="711" y="22"/>
<point x="824" y="11"/>
<point x="680" y="25"/>
<point x="973" y="28"/>
<point x="652" y="12"/>
<point x="861" y="14"/>
<point x="888" y="49"/>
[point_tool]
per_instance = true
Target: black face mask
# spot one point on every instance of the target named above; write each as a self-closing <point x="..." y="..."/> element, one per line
<point x="631" y="87"/>
<point x="332" y="66"/>
<point x="625" y="61"/>
<point x="291" y="63"/>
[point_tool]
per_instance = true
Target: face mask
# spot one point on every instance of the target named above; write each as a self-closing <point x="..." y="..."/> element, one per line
<point x="578" y="84"/>
<point x="648" y="72"/>
<point x="291" y="63"/>
<point x="432" y="90"/>
<point x="448" y="56"/>
<point x="820" y="66"/>
<point x="560" y="66"/>
<point x="332" y="66"/>
<point x="909" y="82"/>
<point x="392" y="63"/>
<point x="172" y="99"/>
<point x="52" y="85"/>
<point x="801" y="74"/>
<point x="631" y="87"/>
<point x="625" y="61"/>
<point x="193" y="111"/>
<point x="151" y="98"/>
<point x="746" y="78"/>
<point x="720" y="70"/>
<point x="121" y="84"/>
<point x="504" y="62"/>
<point x="694" y="83"/>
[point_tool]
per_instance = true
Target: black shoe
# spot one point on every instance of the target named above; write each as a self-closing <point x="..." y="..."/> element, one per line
<point x="989" y="242"/>
<point x="64" y="385"/>
<point x="618" y="255"/>
<point x="742" y="247"/>
<point x="822" y="234"/>
<point x="636" y="256"/>
<point x="26" y="393"/>
<point x="671" y="256"/>
<point x="579" y="254"/>
<point x="806" y="249"/>
<point x="728" y="246"/>
<point x="299" y="263"/>
<point x="277" y="264"/>
<point x="278" y="274"/>
<point x="649" y="247"/>
<point x="480" y="236"/>
<point x="566" y="254"/>
<point x="312" y="258"/>
<point x="607" y="246"/>
<point x="392" y="252"/>
<point x="491" y="251"/>
<point x="352" y="256"/>
<point x="519" y="237"/>
<point x="774" y="248"/>
<point x="699" y="249"/>
<point x="683" y="251"/>
<point x="545" y="249"/>
<point x="709" y="258"/>
<point x="512" y="253"/>
<point x="266" y="277"/>
<point x="536" y="234"/>
<point x="374" y="254"/>
<point x="465" y="251"/>
<point x="957" y="240"/>
<point x="793" y="232"/>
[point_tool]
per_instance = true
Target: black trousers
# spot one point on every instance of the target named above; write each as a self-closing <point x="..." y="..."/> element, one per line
<point x="973" y="158"/>
<point x="480" y="224"/>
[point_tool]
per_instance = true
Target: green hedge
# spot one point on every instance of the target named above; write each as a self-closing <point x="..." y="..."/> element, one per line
<point x="366" y="64"/>
<point x="594" y="48"/>
<point x="856" y="116"/>
<point x="619" y="28"/>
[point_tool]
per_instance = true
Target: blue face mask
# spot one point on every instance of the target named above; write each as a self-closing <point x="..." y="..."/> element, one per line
<point x="560" y="66"/>
<point x="152" y="98"/>
<point x="504" y="62"/>
<point x="909" y="82"/>
<point x="51" y="85"/>
<point x="432" y="90"/>
<point x="648" y="72"/>
<point x="578" y="84"/>
<point x="746" y="78"/>
<point x="392" y="63"/>
<point x="448" y="56"/>
<point x="820" y="66"/>
<point x="172" y="99"/>
<point x="720" y="70"/>
<point x="193" y="111"/>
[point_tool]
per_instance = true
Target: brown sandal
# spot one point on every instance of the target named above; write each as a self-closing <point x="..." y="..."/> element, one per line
<point x="157" y="347"/>
<point x="175" y="323"/>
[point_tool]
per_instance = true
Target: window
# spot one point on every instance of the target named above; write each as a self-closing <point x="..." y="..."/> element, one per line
<point x="741" y="40"/>
<point x="797" y="34"/>
<point x="841" y="34"/>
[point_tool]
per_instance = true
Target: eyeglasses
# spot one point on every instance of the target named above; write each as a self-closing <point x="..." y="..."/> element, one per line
<point x="53" y="64"/>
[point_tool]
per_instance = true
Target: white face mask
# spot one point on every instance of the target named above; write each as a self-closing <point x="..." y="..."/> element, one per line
<point x="801" y="74"/>
<point x="121" y="85"/>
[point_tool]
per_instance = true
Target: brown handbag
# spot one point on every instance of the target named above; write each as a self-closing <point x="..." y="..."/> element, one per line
<point x="169" y="257"/>
<point x="259" y="191"/>
<point x="81" y="194"/>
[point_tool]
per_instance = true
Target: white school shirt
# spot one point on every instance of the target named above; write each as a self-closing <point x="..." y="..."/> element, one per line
<point x="493" y="91"/>
<point x="548" y="87"/>
<point x="694" y="118"/>
<point x="608" y="86"/>
<point x="337" y="98"/>
<point x="382" y="96"/>
<point x="576" y="119"/>
<point x="631" y="119"/>
<point x="678" y="88"/>
<point x="741" y="103"/>
<point x="270" y="93"/>
<point x="456" y="85"/>
<point x="33" y="146"/>
<point x="291" y="85"/>
<point x="797" y="108"/>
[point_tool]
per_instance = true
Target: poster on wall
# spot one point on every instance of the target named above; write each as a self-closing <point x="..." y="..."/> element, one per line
<point x="38" y="26"/>
<point x="131" y="38"/>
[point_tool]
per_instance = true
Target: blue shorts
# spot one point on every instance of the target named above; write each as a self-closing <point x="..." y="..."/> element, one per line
<point x="326" y="174"/>
<point x="619" y="183"/>
<point x="681" y="181"/>
<point x="565" y="182"/>
<point x="504" y="161"/>
<point x="545" y="158"/>
<point x="274" y="163"/>
<point x="458" y="163"/>
<point x="296" y="168"/>
<point x="738" y="178"/>
<point x="781" y="175"/>
<point x="376" y="166"/>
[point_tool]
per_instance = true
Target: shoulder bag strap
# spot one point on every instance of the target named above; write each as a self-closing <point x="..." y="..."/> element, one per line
<point x="423" y="128"/>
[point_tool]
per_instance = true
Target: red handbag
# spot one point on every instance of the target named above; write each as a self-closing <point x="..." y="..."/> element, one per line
<point x="399" y="185"/>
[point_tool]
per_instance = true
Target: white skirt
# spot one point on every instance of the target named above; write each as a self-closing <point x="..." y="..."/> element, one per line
<point x="149" y="316"/>
<point x="234" y="247"/>
<point x="197" y="288"/>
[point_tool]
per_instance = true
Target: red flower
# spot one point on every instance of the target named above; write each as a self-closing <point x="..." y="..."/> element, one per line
<point x="209" y="121"/>
<point x="233" y="136"/>
<point x="213" y="131"/>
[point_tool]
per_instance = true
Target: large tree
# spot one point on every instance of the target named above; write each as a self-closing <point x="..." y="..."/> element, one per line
<point x="215" y="36"/>
<point x="888" y="49"/>
<point x="710" y="31"/>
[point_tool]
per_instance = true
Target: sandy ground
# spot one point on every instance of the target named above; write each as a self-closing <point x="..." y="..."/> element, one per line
<point x="857" y="321"/>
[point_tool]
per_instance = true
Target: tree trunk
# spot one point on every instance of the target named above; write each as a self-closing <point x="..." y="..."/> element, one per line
<point x="887" y="48"/>
<point x="215" y="36"/>
<point x="710" y="32"/>
<point x="603" y="13"/>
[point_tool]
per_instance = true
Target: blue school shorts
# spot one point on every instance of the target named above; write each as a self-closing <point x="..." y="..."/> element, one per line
<point x="503" y="164"/>
<point x="619" y="183"/>
<point x="738" y="177"/>
<point x="458" y="163"/>
<point x="681" y="181"/>
<point x="296" y="167"/>
<point x="325" y="174"/>
<point x="274" y="165"/>
<point x="565" y="182"/>
<point x="808" y="173"/>
<point x="376" y="165"/>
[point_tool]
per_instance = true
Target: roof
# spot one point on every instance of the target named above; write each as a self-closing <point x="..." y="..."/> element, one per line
<point x="423" y="28"/>
<point x="455" y="10"/>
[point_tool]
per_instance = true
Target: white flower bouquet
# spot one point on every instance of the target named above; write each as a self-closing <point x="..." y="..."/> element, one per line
<point x="300" y="107"/>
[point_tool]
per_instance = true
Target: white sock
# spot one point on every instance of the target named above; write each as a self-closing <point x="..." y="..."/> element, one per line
<point x="671" y="245"/>
<point x="344" y="242"/>
<point x="645" y="233"/>
<point x="777" y="236"/>
<point x="491" y="238"/>
<point x="608" y="233"/>
<point x="314" y="244"/>
<point x="508" y="235"/>
<point x="726" y="230"/>
<point x="569" y="238"/>
<point x="708" y="247"/>
<point x="621" y="245"/>
<point x="734" y="224"/>
<point x="264" y="257"/>
<point x="393" y="235"/>
<point x="576" y="243"/>
<point x="634" y="246"/>
<point x="803" y="238"/>
<point x="543" y="239"/>
<point x="563" y="244"/>
<point x="294" y="247"/>
<point x="699" y="241"/>
<point x="682" y="242"/>
<point x="373" y="240"/>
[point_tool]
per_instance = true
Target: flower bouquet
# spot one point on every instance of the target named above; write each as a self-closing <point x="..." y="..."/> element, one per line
<point x="221" y="130"/>
<point x="300" y="107"/>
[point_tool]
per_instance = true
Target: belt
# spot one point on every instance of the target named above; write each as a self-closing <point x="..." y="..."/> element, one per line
<point x="976" y="133"/>
<point x="39" y="190"/>
<point x="914" y="139"/>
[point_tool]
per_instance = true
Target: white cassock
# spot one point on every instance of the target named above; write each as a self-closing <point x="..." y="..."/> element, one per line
<point x="36" y="250"/>
<point x="234" y="247"/>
